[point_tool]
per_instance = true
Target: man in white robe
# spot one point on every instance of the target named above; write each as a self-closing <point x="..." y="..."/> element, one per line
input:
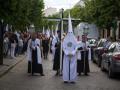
<point x="69" y="60"/>
<point x="54" y="41"/>
<point x="83" y="57"/>
<point x="34" y="56"/>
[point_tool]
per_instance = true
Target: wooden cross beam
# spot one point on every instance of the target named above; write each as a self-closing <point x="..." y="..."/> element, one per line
<point x="59" y="19"/>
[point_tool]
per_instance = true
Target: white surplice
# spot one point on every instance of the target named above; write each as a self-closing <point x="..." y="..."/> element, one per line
<point x="78" y="51"/>
<point x="54" y="41"/>
<point x="82" y="45"/>
<point x="29" y="51"/>
<point x="87" y="47"/>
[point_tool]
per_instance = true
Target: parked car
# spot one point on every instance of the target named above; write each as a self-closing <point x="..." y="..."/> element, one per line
<point x="111" y="59"/>
<point x="98" y="51"/>
<point x="92" y="44"/>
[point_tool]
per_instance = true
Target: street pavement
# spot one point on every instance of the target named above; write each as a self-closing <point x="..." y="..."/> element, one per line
<point x="9" y="63"/>
<point x="18" y="79"/>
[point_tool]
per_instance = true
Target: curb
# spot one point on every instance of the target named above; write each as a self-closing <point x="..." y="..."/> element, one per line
<point x="12" y="66"/>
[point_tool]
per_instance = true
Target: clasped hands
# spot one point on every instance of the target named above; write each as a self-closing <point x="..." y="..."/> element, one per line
<point x="33" y="48"/>
<point x="70" y="54"/>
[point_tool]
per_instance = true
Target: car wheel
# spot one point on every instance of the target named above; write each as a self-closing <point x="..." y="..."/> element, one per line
<point x="110" y="72"/>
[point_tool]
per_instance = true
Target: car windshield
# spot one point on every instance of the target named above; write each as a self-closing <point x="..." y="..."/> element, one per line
<point x="112" y="47"/>
<point x="101" y="43"/>
<point x="118" y="47"/>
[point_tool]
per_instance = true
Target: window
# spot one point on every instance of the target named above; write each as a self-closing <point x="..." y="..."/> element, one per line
<point x="117" y="48"/>
<point x="101" y="43"/>
<point x="112" y="47"/>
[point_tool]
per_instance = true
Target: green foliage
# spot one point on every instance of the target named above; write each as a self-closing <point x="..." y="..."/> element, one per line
<point x="22" y="13"/>
<point x="100" y="12"/>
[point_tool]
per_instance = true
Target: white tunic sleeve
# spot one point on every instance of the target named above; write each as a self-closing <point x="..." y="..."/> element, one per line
<point x="89" y="49"/>
<point x="38" y="42"/>
<point x="39" y="59"/>
<point x="78" y="51"/>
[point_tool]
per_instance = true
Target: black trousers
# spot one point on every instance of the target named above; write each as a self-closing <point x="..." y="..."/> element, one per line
<point x="83" y="64"/>
<point x="34" y="67"/>
<point x="45" y="52"/>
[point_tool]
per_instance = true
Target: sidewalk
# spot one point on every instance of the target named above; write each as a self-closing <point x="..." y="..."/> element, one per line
<point x="9" y="64"/>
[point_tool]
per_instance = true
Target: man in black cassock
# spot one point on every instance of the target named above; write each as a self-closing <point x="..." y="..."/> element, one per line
<point x="34" y="56"/>
<point x="84" y="55"/>
<point x="56" y="62"/>
<point x="45" y="45"/>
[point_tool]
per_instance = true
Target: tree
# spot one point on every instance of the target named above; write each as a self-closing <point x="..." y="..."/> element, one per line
<point x="21" y="13"/>
<point x="100" y="12"/>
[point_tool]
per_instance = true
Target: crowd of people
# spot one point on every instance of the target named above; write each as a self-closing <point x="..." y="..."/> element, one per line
<point x="75" y="54"/>
<point x="37" y="47"/>
<point x="14" y="44"/>
<point x="76" y="61"/>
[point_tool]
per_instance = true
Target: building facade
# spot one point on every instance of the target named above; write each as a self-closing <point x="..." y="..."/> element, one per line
<point x="115" y="33"/>
<point x="50" y="11"/>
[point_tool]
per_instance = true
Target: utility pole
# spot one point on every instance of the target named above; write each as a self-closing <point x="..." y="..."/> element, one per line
<point x="1" y="41"/>
<point x="62" y="10"/>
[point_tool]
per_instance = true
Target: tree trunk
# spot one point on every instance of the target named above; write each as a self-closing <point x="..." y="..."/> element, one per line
<point x="1" y="42"/>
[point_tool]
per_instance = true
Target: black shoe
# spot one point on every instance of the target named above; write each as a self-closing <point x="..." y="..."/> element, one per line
<point x="56" y="74"/>
<point x="32" y="74"/>
<point x="86" y="74"/>
<point x="79" y="74"/>
<point x="60" y="74"/>
<point x="42" y="75"/>
<point x="65" y="81"/>
<point x="44" y="57"/>
<point x="72" y="82"/>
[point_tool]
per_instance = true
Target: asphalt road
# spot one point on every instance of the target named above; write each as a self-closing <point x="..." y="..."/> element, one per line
<point x="18" y="79"/>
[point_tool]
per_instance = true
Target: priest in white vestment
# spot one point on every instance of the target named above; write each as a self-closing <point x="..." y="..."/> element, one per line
<point x="83" y="57"/>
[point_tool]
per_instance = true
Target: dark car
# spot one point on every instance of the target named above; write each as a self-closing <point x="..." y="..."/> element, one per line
<point x="111" y="59"/>
<point x="98" y="51"/>
<point x="92" y="44"/>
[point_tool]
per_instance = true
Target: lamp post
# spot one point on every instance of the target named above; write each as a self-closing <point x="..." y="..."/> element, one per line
<point x="86" y="30"/>
<point x="85" y="33"/>
<point x="32" y="28"/>
<point x="62" y="10"/>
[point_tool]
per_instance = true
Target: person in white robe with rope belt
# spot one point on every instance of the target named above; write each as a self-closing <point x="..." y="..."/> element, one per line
<point x="69" y="60"/>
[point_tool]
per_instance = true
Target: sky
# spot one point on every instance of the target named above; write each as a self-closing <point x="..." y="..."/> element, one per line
<point x="60" y="3"/>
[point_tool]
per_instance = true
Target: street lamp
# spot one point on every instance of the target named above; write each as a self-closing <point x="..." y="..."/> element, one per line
<point x="84" y="37"/>
<point x="85" y="31"/>
<point x="62" y="12"/>
<point x="32" y="28"/>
